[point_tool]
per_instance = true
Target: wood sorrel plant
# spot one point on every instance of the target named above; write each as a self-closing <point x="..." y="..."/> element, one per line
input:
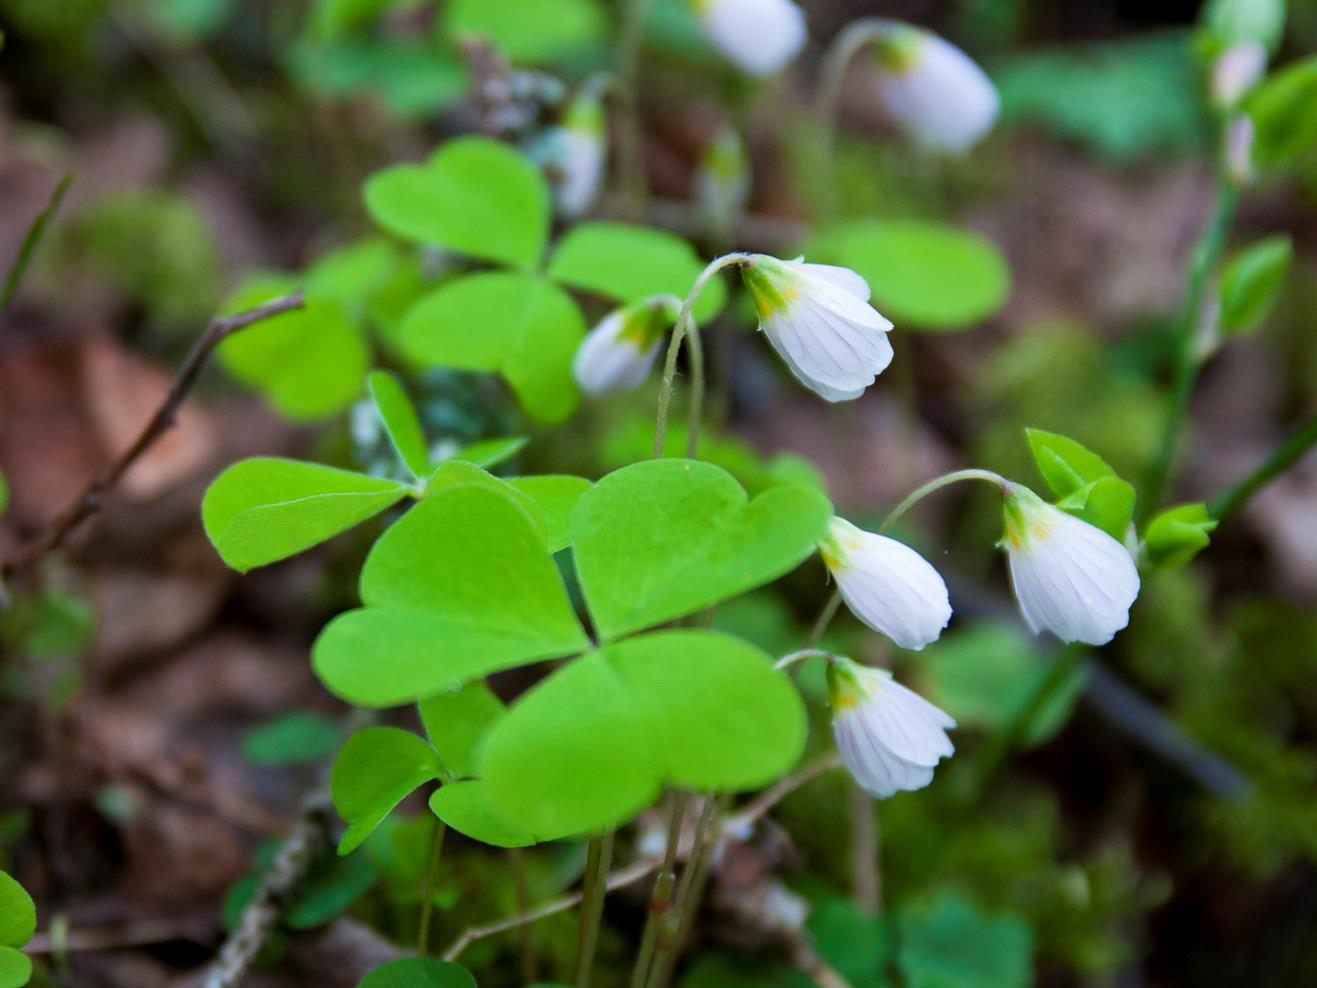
<point x="467" y="583"/>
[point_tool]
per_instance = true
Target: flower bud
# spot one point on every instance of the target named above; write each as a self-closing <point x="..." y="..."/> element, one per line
<point x="617" y="354"/>
<point x="760" y="36"/>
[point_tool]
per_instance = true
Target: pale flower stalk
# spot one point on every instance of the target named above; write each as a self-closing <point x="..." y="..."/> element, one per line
<point x="759" y="36"/>
<point x="886" y="584"/>
<point x="618" y="354"/>
<point x="889" y="737"/>
<point x="1070" y="577"/>
<point x="933" y="91"/>
<point x="818" y="319"/>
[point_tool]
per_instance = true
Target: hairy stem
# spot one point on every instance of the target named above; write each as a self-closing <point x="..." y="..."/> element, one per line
<point x="936" y="484"/>
<point x="661" y="896"/>
<point x="853" y="39"/>
<point x="598" y="859"/>
<point x="686" y="897"/>
<point x="685" y="326"/>
<point x="1282" y="458"/>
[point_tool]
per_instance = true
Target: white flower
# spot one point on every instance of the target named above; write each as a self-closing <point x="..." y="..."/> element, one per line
<point x="933" y="90"/>
<point x="760" y="36"/>
<point x="889" y="737"/>
<point x="1237" y="70"/>
<point x="722" y="182"/>
<point x="618" y="353"/>
<point x="574" y="154"/>
<point x="1070" y="578"/>
<point x="886" y="584"/>
<point x="819" y="321"/>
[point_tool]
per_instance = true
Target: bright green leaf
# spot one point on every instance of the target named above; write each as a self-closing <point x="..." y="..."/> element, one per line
<point x="418" y="972"/>
<point x="527" y="31"/>
<point x="628" y="263"/>
<point x="376" y="770"/>
<point x="1107" y="503"/>
<point x="1178" y="534"/>
<point x="556" y="497"/>
<point x="457" y="721"/>
<point x="1065" y="464"/>
<point x="853" y="941"/>
<point x="663" y="538"/>
<point x="265" y="509"/>
<point x="411" y="75"/>
<point x="457" y="473"/>
<point x="1251" y="283"/>
<point x="1284" y="111"/>
<point x="354" y="273"/>
<point x="18" y="914"/>
<point x="598" y="739"/>
<point x="461" y="586"/>
<point x="308" y="363"/>
<point x="15" y="968"/>
<point x="526" y="328"/>
<point x="300" y="736"/>
<point x="400" y="421"/>
<point x="474" y="196"/>
<point x="922" y="275"/>
<point x="948" y="941"/>
<point x="466" y="807"/>
<point x="491" y="452"/>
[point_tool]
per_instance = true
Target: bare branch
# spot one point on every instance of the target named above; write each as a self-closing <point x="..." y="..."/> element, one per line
<point x="89" y="502"/>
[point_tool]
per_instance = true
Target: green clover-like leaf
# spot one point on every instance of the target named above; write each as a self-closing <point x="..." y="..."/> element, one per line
<point x="663" y="538"/>
<point x="376" y="770"/>
<point x="401" y="422"/>
<point x="418" y="972"/>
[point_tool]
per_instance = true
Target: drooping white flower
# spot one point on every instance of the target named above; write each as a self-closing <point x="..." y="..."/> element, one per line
<point x="819" y="320"/>
<point x="618" y="353"/>
<point x="934" y="91"/>
<point x="1070" y="577"/>
<point x="886" y="584"/>
<point x="574" y="154"/>
<point x="889" y="737"/>
<point x="760" y="36"/>
<point x="1237" y="70"/>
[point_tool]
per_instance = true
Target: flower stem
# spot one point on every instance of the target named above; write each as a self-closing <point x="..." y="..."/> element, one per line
<point x="686" y="902"/>
<point x="685" y="326"/>
<point x="630" y="150"/>
<point x="427" y="887"/>
<point x="936" y="484"/>
<point x="517" y="865"/>
<point x="866" y="855"/>
<point x="598" y="859"/>
<point x="661" y="896"/>
<point x="1282" y="458"/>
<point x="845" y="46"/>
<point x="1206" y="256"/>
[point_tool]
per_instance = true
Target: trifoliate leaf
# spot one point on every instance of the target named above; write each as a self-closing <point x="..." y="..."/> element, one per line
<point x="491" y="452"/>
<point x="376" y="770"/>
<point x="461" y="586"/>
<point x="663" y="538"/>
<point x="597" y="740"/>
<point x="922" y="275"/>
<point x="474" y="196"/>
<point x="1251" y="284"/>
<point x="529" y="330"/>
<point x="556" y="497"/>
<point x="628" y="263"/>
<point x="265" y="509"/>
<point x="15" y="968"/>
<point x="457" y="721"/>
<point x="527" y="31"/>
